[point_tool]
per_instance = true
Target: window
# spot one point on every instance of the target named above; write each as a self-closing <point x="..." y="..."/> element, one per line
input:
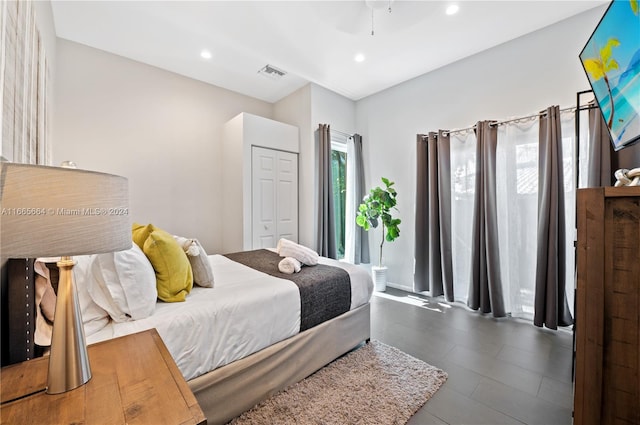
<point x="339" y="173"/>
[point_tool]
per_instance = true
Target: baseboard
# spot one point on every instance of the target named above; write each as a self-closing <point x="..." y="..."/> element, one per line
<point x="399" y="286"/>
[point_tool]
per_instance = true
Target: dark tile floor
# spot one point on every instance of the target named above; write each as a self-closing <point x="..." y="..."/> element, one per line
<point x="501" y="371"/>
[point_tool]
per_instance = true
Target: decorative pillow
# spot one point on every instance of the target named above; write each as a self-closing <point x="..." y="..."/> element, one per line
<point x="202" y="271"/>
<point x="189" y="246"/>
<point x="140" y="233"/>
<point x="124" y="284"/>
<point x="174" y="277"/>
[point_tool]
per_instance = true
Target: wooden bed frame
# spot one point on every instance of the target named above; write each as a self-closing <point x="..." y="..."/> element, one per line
<point x="223" y="393"/>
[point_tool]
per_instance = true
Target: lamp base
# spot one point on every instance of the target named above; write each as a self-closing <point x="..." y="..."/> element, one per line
<point x="68" y="362"/>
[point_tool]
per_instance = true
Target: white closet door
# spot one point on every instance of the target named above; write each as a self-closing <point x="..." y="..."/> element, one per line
<point x="274" y="197"/>
<point x="287" y="196"/>
<point x="263" y="197"/>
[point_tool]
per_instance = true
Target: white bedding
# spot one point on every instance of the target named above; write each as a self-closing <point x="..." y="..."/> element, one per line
<point x="246" y="311"/>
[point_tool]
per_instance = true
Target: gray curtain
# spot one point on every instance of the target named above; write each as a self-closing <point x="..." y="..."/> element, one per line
<point x="485" y="286"/>
<point x="326" y="220"/>
<point x="551" y="308"/>
<point x="603" y="161"/>
<point x="433" y="261"/>
<point x="361" y="237"/>
<point x="599" y="171"/>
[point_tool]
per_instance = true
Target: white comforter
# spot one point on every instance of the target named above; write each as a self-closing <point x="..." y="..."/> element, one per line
<point x="246" y="311"/>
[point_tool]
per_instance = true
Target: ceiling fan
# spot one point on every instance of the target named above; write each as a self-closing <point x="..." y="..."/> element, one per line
<point x="377" y="5"/>
<point x="376" y="17"/>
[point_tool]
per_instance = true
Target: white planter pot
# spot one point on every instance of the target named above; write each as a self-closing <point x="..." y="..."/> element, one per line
<point x="379" y="275"/>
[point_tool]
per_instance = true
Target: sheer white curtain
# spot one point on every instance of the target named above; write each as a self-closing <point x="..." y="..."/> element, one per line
<point x="517" y="205"/>
<point x="583" y="160"/>
<point x="463" y="178"/>
<point x="517" y="198"/>
<point x="570" y="167"/>
<point x="356" y="238"/>
<point x="24" y="86"/>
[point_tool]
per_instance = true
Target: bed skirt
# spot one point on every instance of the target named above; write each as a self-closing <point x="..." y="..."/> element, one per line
<point x="228" y="391"/>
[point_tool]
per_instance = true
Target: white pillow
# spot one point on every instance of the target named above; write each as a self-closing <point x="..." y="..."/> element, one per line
<point x="94" y="317"/>
<point x="124" y="284"/>
<point x="199" y="260"/>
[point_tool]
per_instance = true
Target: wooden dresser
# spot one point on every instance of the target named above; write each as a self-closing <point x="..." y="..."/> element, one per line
<point x="135" y="381"/>
<point x="607" y="380"/>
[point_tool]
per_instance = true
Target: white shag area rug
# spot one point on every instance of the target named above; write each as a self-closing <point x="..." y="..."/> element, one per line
<point x="375" y="384"/>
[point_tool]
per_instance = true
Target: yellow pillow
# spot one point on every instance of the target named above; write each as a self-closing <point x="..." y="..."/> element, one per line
<point x="174" y="277"/>
<point x="140" y="233"/>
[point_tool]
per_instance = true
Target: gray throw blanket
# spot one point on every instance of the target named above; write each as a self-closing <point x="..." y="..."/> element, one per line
<point x="325" y="291"/>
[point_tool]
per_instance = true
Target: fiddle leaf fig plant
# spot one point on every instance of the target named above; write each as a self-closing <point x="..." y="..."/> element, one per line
<point x="375" y="208"/>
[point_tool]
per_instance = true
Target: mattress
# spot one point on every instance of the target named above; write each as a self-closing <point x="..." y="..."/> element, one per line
<point x="246" y="311"/>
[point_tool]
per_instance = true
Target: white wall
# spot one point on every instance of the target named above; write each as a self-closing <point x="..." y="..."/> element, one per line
<point x="306" y="108"/>
<point x="328" y="107"/>
<point x="295" y="109"/>
<point x="240" y="136"/>
<point x="164" y="133"/>
<point x="160" y="130"/>
<point x="514" y="79"/>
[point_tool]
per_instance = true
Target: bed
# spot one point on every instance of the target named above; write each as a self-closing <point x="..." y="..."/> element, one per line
<point x="236" y="344"/>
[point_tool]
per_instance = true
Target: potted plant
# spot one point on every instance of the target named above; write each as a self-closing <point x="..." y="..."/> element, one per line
<point x="375" y="208"/>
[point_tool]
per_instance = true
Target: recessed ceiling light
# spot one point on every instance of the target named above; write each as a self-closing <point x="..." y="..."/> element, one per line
<point x="206" y="54"/>
<point x="453" y="9"/>
<point x="359" y="57"/>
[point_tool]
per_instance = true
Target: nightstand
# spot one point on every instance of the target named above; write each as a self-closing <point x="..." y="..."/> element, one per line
<point x="135" y="381"/>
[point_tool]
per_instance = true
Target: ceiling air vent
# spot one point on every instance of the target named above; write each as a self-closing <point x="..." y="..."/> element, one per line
<point x="272" y="72"/>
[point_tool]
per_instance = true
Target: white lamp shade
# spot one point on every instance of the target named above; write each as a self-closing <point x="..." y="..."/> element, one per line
<point x="53" y="211"/>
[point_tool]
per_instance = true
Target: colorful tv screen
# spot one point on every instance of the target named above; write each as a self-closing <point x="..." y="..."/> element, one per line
<point x="611" y="60"/>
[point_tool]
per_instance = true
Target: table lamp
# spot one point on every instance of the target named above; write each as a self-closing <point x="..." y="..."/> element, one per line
<point x="60" y="212"/>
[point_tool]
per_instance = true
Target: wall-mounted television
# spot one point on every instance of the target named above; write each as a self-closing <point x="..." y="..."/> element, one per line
<point x="611" y="60"/>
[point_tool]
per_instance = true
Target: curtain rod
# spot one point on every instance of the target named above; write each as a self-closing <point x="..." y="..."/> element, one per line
<point x="525" y="118"/>
<point x="340" y="132"/>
